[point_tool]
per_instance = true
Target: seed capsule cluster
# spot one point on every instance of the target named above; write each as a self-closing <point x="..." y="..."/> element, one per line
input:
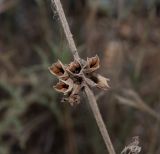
<point x="74" y="76"/>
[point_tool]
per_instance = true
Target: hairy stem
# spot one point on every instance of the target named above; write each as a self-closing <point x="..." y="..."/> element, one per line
<point x="66" y="28"/>
<point x="89" y="93"/>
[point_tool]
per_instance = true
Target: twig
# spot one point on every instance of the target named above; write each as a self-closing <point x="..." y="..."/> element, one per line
<point x="99" y="120"/>
<point x="136" y="102"/>
<point x="66" y="27"/>
<point x="89" y="93"/>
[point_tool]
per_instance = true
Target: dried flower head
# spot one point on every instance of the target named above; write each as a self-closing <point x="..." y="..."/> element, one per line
<point x="92" y="64"/>
<point x="58" y="69"/>
<point x="74" y="76"/>
<point x="64" y="87"/>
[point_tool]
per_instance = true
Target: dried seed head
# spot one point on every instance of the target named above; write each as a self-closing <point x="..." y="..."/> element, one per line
<point x="75" y="76"/>
<point x="92" y="64"/>
<point x="64" y="87"/>
<point x="74" y="67"/>
<point x="58" y="69"/>
<point x="100" y="81"/>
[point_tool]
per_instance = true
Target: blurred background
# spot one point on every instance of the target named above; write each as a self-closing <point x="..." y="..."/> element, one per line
<point x="125" y="34"/>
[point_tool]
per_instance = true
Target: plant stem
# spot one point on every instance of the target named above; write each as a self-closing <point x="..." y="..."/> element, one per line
<point x="66" y="28"/>
<point x="99" y="120"/>
<point x="89" y="93"/>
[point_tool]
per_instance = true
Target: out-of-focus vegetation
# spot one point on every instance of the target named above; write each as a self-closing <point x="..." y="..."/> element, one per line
<point x="124" y="33"/>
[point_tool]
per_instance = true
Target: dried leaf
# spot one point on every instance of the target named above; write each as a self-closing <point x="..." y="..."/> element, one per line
<point x="64" y="87"/>
<point x="58" y="69"/>
<point x="92" y="64"/>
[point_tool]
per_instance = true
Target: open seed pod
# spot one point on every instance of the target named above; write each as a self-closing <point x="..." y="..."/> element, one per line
<point x="64" y="87"/>
<point x="92" y="64"/>
<point x="74" y="68"/>
<point x="73" y="77"/>
<point x="58" y="69"/>
<point x="99" y="81"/>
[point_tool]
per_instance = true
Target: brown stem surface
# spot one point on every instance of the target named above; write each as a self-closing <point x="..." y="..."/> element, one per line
<point x="66" y="28"/>
<point x="99" y="120"/>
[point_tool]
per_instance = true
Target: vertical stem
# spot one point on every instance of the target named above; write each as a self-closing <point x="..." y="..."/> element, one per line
<point x="66" y="28"/>
<point x="99" y="120"/>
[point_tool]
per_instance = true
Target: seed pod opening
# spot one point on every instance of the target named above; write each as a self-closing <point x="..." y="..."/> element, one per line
<point x="64" y="87"/>
<point x="58" y="69"/>
<point x="92" y="64"/>
<point x="74" y="67"/>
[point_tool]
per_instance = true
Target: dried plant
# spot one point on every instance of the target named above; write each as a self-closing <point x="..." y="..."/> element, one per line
<point x="133" y="147"/>
<point x="78" y="75"/>
<point x="58" y="69"/>
<point x="131" y="98"/>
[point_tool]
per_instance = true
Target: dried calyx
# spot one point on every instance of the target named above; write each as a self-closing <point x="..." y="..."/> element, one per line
<point x="92" y="64"/>
<point x="64" y="87"/>
<point x="74" y="76"/>
<point x="74" y="68"/>
<point x="58" y="69"/>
